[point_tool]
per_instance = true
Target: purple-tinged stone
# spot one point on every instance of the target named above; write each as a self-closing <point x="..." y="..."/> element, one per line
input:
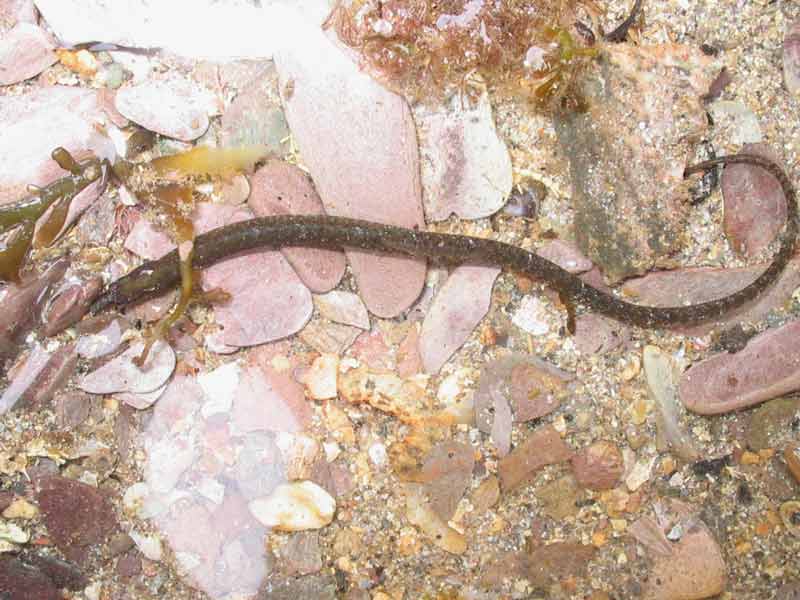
<point x="20" y="581"/>
<point x="596" y="334"/>
<point x="541" y="448"/>
<point x="70" y="304"/>
<point x="531" y="387"/>
<point x="25" y="51"/>
<point x="768" y="367"/>
<point x="72" y="409"/>
<point x="446" y="474"/>
<point x="268" y="300"/>
<point x="791" y="59"/>
<point x="23" y="377"/>
<point x="565" y="255"/>
<point x="121" y="374"/>
<point x="691" y="286"/>
<point x="279" y="188"/>
<point x="457" y="309"/>
<point x="466" y="168"/>
<point x="37" y="122"/>
<point x="176" y="108"/>
<point x="598" y="466"/>
<point x="62" y="573"/>
<point x="360" y="144"/>
<point x="755" y="207"/>
<point x="21" y="307"/>
<point x="77" y="516"/>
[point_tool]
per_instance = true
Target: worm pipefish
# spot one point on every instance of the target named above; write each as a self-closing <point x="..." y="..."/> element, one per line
<point x="155" y="277"/>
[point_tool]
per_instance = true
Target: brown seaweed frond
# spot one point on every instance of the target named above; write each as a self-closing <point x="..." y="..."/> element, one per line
<point x="49" y="206"/>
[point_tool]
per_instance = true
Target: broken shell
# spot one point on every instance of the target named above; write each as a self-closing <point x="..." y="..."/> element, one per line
<point x="792" y="455"/>
<point x="790" y="515"/>
<point x="321" y="378"/>
<point x="295" y="506"/>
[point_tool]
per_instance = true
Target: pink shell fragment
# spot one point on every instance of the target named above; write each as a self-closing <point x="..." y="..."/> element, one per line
<point x="268" y="300"/>
<point x="175" y="108"/>
<point x="359" y="142"/>
<point x="768" y="367"/>
<point x="279" y="188"/>
<point x="25" y="51"/>
<point x="121" y="375"/>
<point x="457" y="309"/>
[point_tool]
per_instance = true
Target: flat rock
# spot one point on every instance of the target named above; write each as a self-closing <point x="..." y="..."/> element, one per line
<point x="25" y="51"/>
<point x="17" y="11"/>
<point x="691" y="286"/>
<point x="24" y="377"/>
<point x="766" y="368"/>
<point x="20" y="581"/>
<point x="279" y="188"/>
<point x="209" y="30"/>
<point x="120" y="374"/>
<point x="359" y="142"/>
<point x="596" y="334"/>
<point x="626" y="172"/>
<point x="267" y="400"/>
<point x="755" y="207"/>
<point x="598" y="466"/>
<point x="101" y="343"/>
<point x="268" y="300"/>
<point x="147" y="241"/>
<point x="77" y="516"/>
<point x="530" y="386"/>
<point x="177" y="108"/>
<point x="23" y="304"/>
<point x="343" y="307"/>
<point x="771" y="423"/>
<point x="40" y="120"/>
<point x="565" y="255"/>
<point x="446" y="475"/>
<point x="544" y="566"/>
<point x="690" y="567"/>
<point x="791" y="59"/>
<point x="70" y="303"/>
<point x="255" y="117"/>
<point x="541" y="448"/>
<point x="457" y="309"/>
<point x="466" y="168"/>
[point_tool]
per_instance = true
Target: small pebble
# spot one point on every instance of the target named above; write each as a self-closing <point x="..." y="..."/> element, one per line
<point x="598" y="466"/>
<point x="295" y="506"/>
<point x="20" y="509"/>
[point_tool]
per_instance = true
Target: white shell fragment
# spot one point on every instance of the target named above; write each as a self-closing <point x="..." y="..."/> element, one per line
<point x="295" y="506"/>
<point x="321" y="378"/>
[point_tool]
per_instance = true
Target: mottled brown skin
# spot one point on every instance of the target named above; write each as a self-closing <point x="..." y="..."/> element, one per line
<point x="155" y="277"/>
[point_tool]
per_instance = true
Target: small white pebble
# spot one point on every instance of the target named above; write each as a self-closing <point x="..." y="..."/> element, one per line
<point x="377" y="454"/>
<point x="295" y="506"/>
